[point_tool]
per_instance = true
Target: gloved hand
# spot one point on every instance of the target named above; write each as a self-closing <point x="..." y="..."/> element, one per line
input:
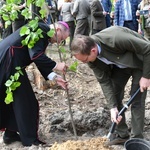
<point x="114" y="115"/>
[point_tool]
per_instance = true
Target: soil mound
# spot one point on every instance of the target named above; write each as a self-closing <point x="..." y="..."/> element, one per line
<point x="90" y="144"/>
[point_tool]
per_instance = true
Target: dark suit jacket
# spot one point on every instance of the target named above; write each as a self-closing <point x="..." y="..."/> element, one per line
<point x="98" y="21"/>
<point x="121" y="46"/>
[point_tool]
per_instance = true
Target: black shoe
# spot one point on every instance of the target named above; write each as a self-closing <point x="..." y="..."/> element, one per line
<point x="38" y="142"/>
<point x="117" y="140"/>
<point x="10" y="137"/>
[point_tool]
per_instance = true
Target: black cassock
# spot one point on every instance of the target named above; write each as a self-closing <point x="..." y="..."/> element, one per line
<point x="22" y="115"/>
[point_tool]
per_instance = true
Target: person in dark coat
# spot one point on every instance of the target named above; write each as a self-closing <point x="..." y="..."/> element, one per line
<point x="115" y="55"/>
<point x="20" y="118"/>
<point x="107" y="6"/>
<point x="98" y="21"/>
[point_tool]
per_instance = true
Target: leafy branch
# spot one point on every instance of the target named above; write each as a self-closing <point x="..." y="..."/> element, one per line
<point x="12" y="84"/>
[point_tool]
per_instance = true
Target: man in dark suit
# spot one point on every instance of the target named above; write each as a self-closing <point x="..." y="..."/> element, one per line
<point x="22" y="115"/>
<point x="81" y="12"/>
<point x="115" y="54"/>
<point x="98" y="21"/>
<point x="107" y="6"/>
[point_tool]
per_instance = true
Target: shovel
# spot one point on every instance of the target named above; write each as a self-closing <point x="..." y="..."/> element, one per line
<point x="112" y="129"/>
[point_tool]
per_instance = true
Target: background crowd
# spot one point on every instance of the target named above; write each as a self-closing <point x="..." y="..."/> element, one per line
<point x="88" y="17"/>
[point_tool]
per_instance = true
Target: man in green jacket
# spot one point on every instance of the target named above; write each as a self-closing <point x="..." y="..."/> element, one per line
<point x="115" y="55"/>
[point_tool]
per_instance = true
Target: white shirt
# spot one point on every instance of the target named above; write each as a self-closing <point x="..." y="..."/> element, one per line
<point x="127" y="10"/>
<point x="107" y="61"/>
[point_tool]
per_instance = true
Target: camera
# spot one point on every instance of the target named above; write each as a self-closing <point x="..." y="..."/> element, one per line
<point x="144" y="12"/>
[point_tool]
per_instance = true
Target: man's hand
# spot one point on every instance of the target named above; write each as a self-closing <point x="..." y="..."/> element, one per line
<point x="61" y="82"/>
<point x="144" y="84"/>
<point x="114" y="115"/>
<point x="61" y="67"/>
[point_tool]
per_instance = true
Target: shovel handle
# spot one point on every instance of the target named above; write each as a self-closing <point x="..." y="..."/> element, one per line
<point x="113" y="126"/>
<point x="112" y="129"/>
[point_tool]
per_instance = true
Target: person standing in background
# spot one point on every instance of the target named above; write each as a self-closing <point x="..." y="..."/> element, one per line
<point x="98" y="21"/>
<point x="59" y="6"/>
<point x="144" y="18"/>
<point x="49" y="3"/>
<point x="107" y="6"/>
<point x="81" y="11"/>
<point x="125" y="14"/>
<point x="68" y="17"/>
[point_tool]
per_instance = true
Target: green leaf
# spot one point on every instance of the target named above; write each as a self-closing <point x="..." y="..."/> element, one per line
<point x="39" y="31"/>
<point x="62" y="49"/>
<point x="33" y="24"/>
<point x="20" y="72"/>
<point x="27" y="39"/>
<point x="12" y="78"/>
<point x="13" y="15"/>
<point x="23" y="42"/>
<point x="14" y="1"/>
<point x="7" y="23"/>
<point x="41" y="36"/>
<point x="9" y="98"/>
<point x="51" y="33"/>
<point x="5" y="17"/>
<point x="73" y="67"/>
<point x="18" y="68"/>
<point x="24" y="31"/>
<point x="35" y="37"/>
<point x="8" y="1"/>
<point x="8" y="90"/>
<point x="16" y="76"/>
<point x="43" y="13"/>
<point x="26" y="13"/>
<point x="8" y="83"/>
<point x="28" y="2"/>
<point x="31" y="44"/>
<point x="15" y="85"/>
<point x="40" y="3"/>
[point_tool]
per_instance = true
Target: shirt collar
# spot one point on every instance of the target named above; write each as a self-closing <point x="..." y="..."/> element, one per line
<point x="99" y="49"/>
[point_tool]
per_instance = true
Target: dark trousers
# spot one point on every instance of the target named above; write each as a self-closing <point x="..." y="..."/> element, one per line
<point x="72" y="29"/>
<point x="130" y="25"/>
<point x="108" y="24"/>
<point x="82" y="27"/>
<point x="120" y="77"/>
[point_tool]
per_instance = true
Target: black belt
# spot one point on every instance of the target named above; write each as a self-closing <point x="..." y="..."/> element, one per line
<point x="128" y="20"/>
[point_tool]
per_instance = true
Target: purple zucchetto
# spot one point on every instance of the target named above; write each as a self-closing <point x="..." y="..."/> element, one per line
<point x="64" y="24"/>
